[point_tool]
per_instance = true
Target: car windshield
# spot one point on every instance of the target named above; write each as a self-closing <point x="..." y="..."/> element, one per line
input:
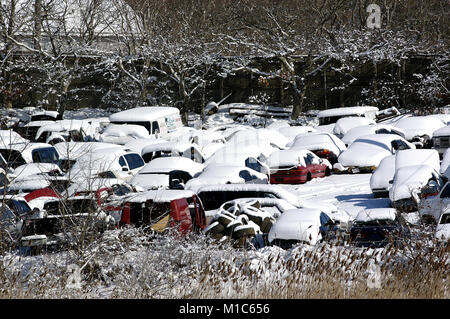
<point x="375" y="222"/>
<point x="46" y="155"/>
<point x="445" y="219"/>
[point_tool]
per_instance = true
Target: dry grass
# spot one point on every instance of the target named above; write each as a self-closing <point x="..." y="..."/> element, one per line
<point x="126" y="264"/>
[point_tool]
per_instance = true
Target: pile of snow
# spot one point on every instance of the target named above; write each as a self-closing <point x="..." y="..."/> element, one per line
<point x="428" y="157"/>
<point x="123" y="133"/>
<point x="383" y="174"/>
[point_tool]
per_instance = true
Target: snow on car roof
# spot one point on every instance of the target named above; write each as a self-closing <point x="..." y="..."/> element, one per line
<point x="167" y="164"/>
<point x="159" y="195"/>
<point x="376" y="214"/>
<point x="368" y="150"/>
<point x="291" y="157"/>
<point x="292" y="131"/>
<point x="73" y="150"/>
<point x="168" y="146"/>
<point x="362" y="130"/>
<point x="62" y="125"/>
<point x="384" y="173"/>
<point x="317" y="141"/>
<point x="38" y="123"/>
<point x="137" y="131"/>
<point x="10" y="136"/>
<point x="343" y="125"/>
<point x="443" y="131"/>
<point x="419" y="125"/>
<point x="257" y="136"/>
<point x="360" y="110"/>
<point x="418" y="157"/>
<point x="147" y="113"/>
<point x="138" y="144"/>
<point x="33" y="168"/>
<point x="296" y="224"/>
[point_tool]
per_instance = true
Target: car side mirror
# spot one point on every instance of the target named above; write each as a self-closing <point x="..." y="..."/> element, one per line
<point x="124" y="169"/>
<point x="391" y="181"/>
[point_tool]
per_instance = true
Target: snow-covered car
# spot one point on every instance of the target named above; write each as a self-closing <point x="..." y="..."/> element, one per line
<point x="261" y="136"/>
<point x="359" y="131"/>
<point x="122" y="134"/>
<point x="331" y="116"/>
<point x="411" y="186"/>
<point x="163" y="209"/>
<point x="304" y="225"/>
<point x="101" y="163"/>
<point x="69" y="152"/>
<point x="366" y="152"/>
<point x="17" y="154"/>
<point x="169" y="149"/>
<point x="379" y="180"/>
<point x="408" y="183"/>
<point x="431" y="208"/>
<point x="29" y="130"/>
<point x="63" y="131"/>
<point x="324" y="145"/>
<point x="166" y="172"/>
<point x="345" y="124"/>
<point x="419" y="129"/>
<point x="60" y="219"/>
<point x="378" y="227"/>
<point x="10" y="225"/>
<point x="292" y="131"/>
<point x="250" y="156"/>
<point x="295" y="166"/>
<point x="136" y="145"/>
<point x="8" y="137"/>
<point x="227" y="174"/>
<point x="213" y="196"/>
<point x="442" y="231"/>
<point x="441" y="139"/>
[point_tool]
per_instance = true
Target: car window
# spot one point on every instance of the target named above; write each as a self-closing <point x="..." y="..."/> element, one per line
<point x="45" y="155"/>
<point x="122" y="162"/>
<point x="107" y="174"/>
<point x="3" y="180"/>
<point x="134" y="161"/>
<point x="6" y="214"/>
<point x="324" y="218"/>
<point x="245" y="175"/>
<point x="446" y="191"/>
<point x="19" y="206"/>
<point x="308" y="159"/>
<point x="155" y="127"/>
<point x="445" y="219"/>
<point x="14" y="158"/>
<point x="253" y="164"/>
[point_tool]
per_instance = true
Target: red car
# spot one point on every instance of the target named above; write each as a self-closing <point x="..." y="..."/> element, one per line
<point x="296" y="167"/>
<point x="163" y="209"/>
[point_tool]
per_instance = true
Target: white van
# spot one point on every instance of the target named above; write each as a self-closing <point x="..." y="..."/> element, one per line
<point x="158" y="120"/>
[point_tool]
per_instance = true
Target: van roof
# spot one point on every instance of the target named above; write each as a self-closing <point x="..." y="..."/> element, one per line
<point x="140" y="114"/>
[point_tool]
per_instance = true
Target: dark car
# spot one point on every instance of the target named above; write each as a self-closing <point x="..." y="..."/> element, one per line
<point x="378" y="227"/>
<point x="62" y="221"/>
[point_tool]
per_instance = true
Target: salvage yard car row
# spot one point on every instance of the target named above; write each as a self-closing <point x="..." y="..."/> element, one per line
<point x="142" y="167"/>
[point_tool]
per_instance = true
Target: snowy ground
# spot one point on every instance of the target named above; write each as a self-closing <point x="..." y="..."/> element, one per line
<point x="348" y="192"/>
